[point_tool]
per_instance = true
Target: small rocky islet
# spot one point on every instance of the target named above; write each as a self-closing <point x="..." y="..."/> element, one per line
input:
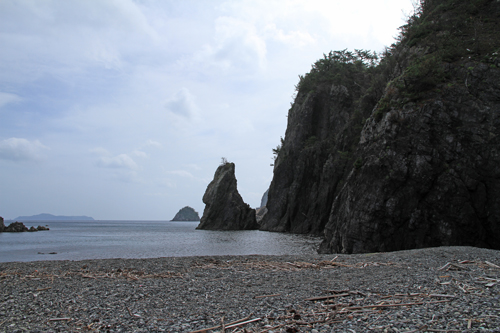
<point x="186" y="214"/>
<point x="19" y="227"/>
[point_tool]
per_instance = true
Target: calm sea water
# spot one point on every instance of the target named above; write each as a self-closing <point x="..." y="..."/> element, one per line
<point x="78" y="240"/>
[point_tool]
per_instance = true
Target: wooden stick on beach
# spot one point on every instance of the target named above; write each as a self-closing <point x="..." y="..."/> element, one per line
<point x="219" y="326"/>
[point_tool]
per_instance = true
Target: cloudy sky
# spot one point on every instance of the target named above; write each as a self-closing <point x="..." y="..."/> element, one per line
<point x="123" y="109"/>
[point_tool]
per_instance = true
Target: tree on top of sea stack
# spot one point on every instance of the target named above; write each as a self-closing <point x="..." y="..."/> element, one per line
<point x="186" y="214"/>
<point x="225" y="209"/>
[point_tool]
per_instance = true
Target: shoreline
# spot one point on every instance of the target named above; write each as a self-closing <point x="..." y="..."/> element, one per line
<point x="445" y="289"/>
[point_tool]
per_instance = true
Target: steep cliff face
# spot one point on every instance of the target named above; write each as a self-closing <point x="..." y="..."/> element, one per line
<point x="430" y="173"/>
<point x="312" y="161"/>
<point x="323" y="128"/>
<point x="424" y="169"/>
<point x="225" y="209"/>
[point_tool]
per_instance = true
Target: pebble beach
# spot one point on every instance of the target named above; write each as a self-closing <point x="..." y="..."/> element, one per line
<point x="445" y="289"/>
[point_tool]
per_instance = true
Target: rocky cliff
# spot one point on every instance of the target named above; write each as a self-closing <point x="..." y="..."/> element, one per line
<point x="398" y="152"/>
<point x="186" y="214"/>
<point x="225" y="209"/>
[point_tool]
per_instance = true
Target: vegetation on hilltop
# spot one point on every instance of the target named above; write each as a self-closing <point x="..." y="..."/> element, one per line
<point x="439" y="32"/>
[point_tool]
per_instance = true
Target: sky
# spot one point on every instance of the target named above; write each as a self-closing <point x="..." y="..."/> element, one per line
<point x="123" y="109"/>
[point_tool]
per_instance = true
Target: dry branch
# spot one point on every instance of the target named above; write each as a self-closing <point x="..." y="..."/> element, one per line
<point x="244" y="323"/>
<point x="320" y="298"/>
<point x="491" y="264"/>
<point x="219" y="326"/>
<point x="391" y="305"/>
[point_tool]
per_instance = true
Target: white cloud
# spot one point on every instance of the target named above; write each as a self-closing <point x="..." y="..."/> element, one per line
<point x="153" y="143"/>
<point x="82" y="73"/>
<point x="122" y="161"/>
<point x="107" y="160"/>
<point x="295" y="39"/>
<point x="183" y="104"/>
<point x="237" y="45"/>
<point x="7" y="98"/>
<point x="19" y="149"/>
<point x="70" y="37"/>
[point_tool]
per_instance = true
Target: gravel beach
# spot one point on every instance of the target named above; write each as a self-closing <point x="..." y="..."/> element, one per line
<point x="446" y="289"/>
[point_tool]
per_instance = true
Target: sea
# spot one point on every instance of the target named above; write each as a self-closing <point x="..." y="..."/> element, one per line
<point x="79" y="240"/>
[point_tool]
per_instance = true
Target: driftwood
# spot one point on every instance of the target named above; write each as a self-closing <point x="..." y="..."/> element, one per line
<point x="245" y="320"/>
<point x="243" y="323"/>
<point x="320" y="298"/>
<point x="491" y="264"/>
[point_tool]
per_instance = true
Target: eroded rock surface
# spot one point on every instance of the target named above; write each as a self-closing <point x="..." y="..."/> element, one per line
<point x="225" y="209"/>
<point x="430" y="173"/>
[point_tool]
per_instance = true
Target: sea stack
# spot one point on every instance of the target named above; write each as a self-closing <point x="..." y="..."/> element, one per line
<point x="225" y="209"/>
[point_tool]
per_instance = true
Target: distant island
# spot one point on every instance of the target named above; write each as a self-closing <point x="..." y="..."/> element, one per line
<point x="50" y="217"/>
<point x="186" y="214"/>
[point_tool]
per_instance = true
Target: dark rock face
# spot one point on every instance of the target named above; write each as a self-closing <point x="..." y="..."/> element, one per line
<point x="16" y="227"/>
<point x="225" y="209"/>
<point x="323" y="128"/>
<point x="2" y="225"/>
<point x="416" y="166"/>
<point x="430" y="173"/>
<point x="186" y="214"/>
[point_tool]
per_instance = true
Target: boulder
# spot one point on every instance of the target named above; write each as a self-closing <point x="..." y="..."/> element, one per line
<point x="186" y="214"/>
<point x="225" y="209"/>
